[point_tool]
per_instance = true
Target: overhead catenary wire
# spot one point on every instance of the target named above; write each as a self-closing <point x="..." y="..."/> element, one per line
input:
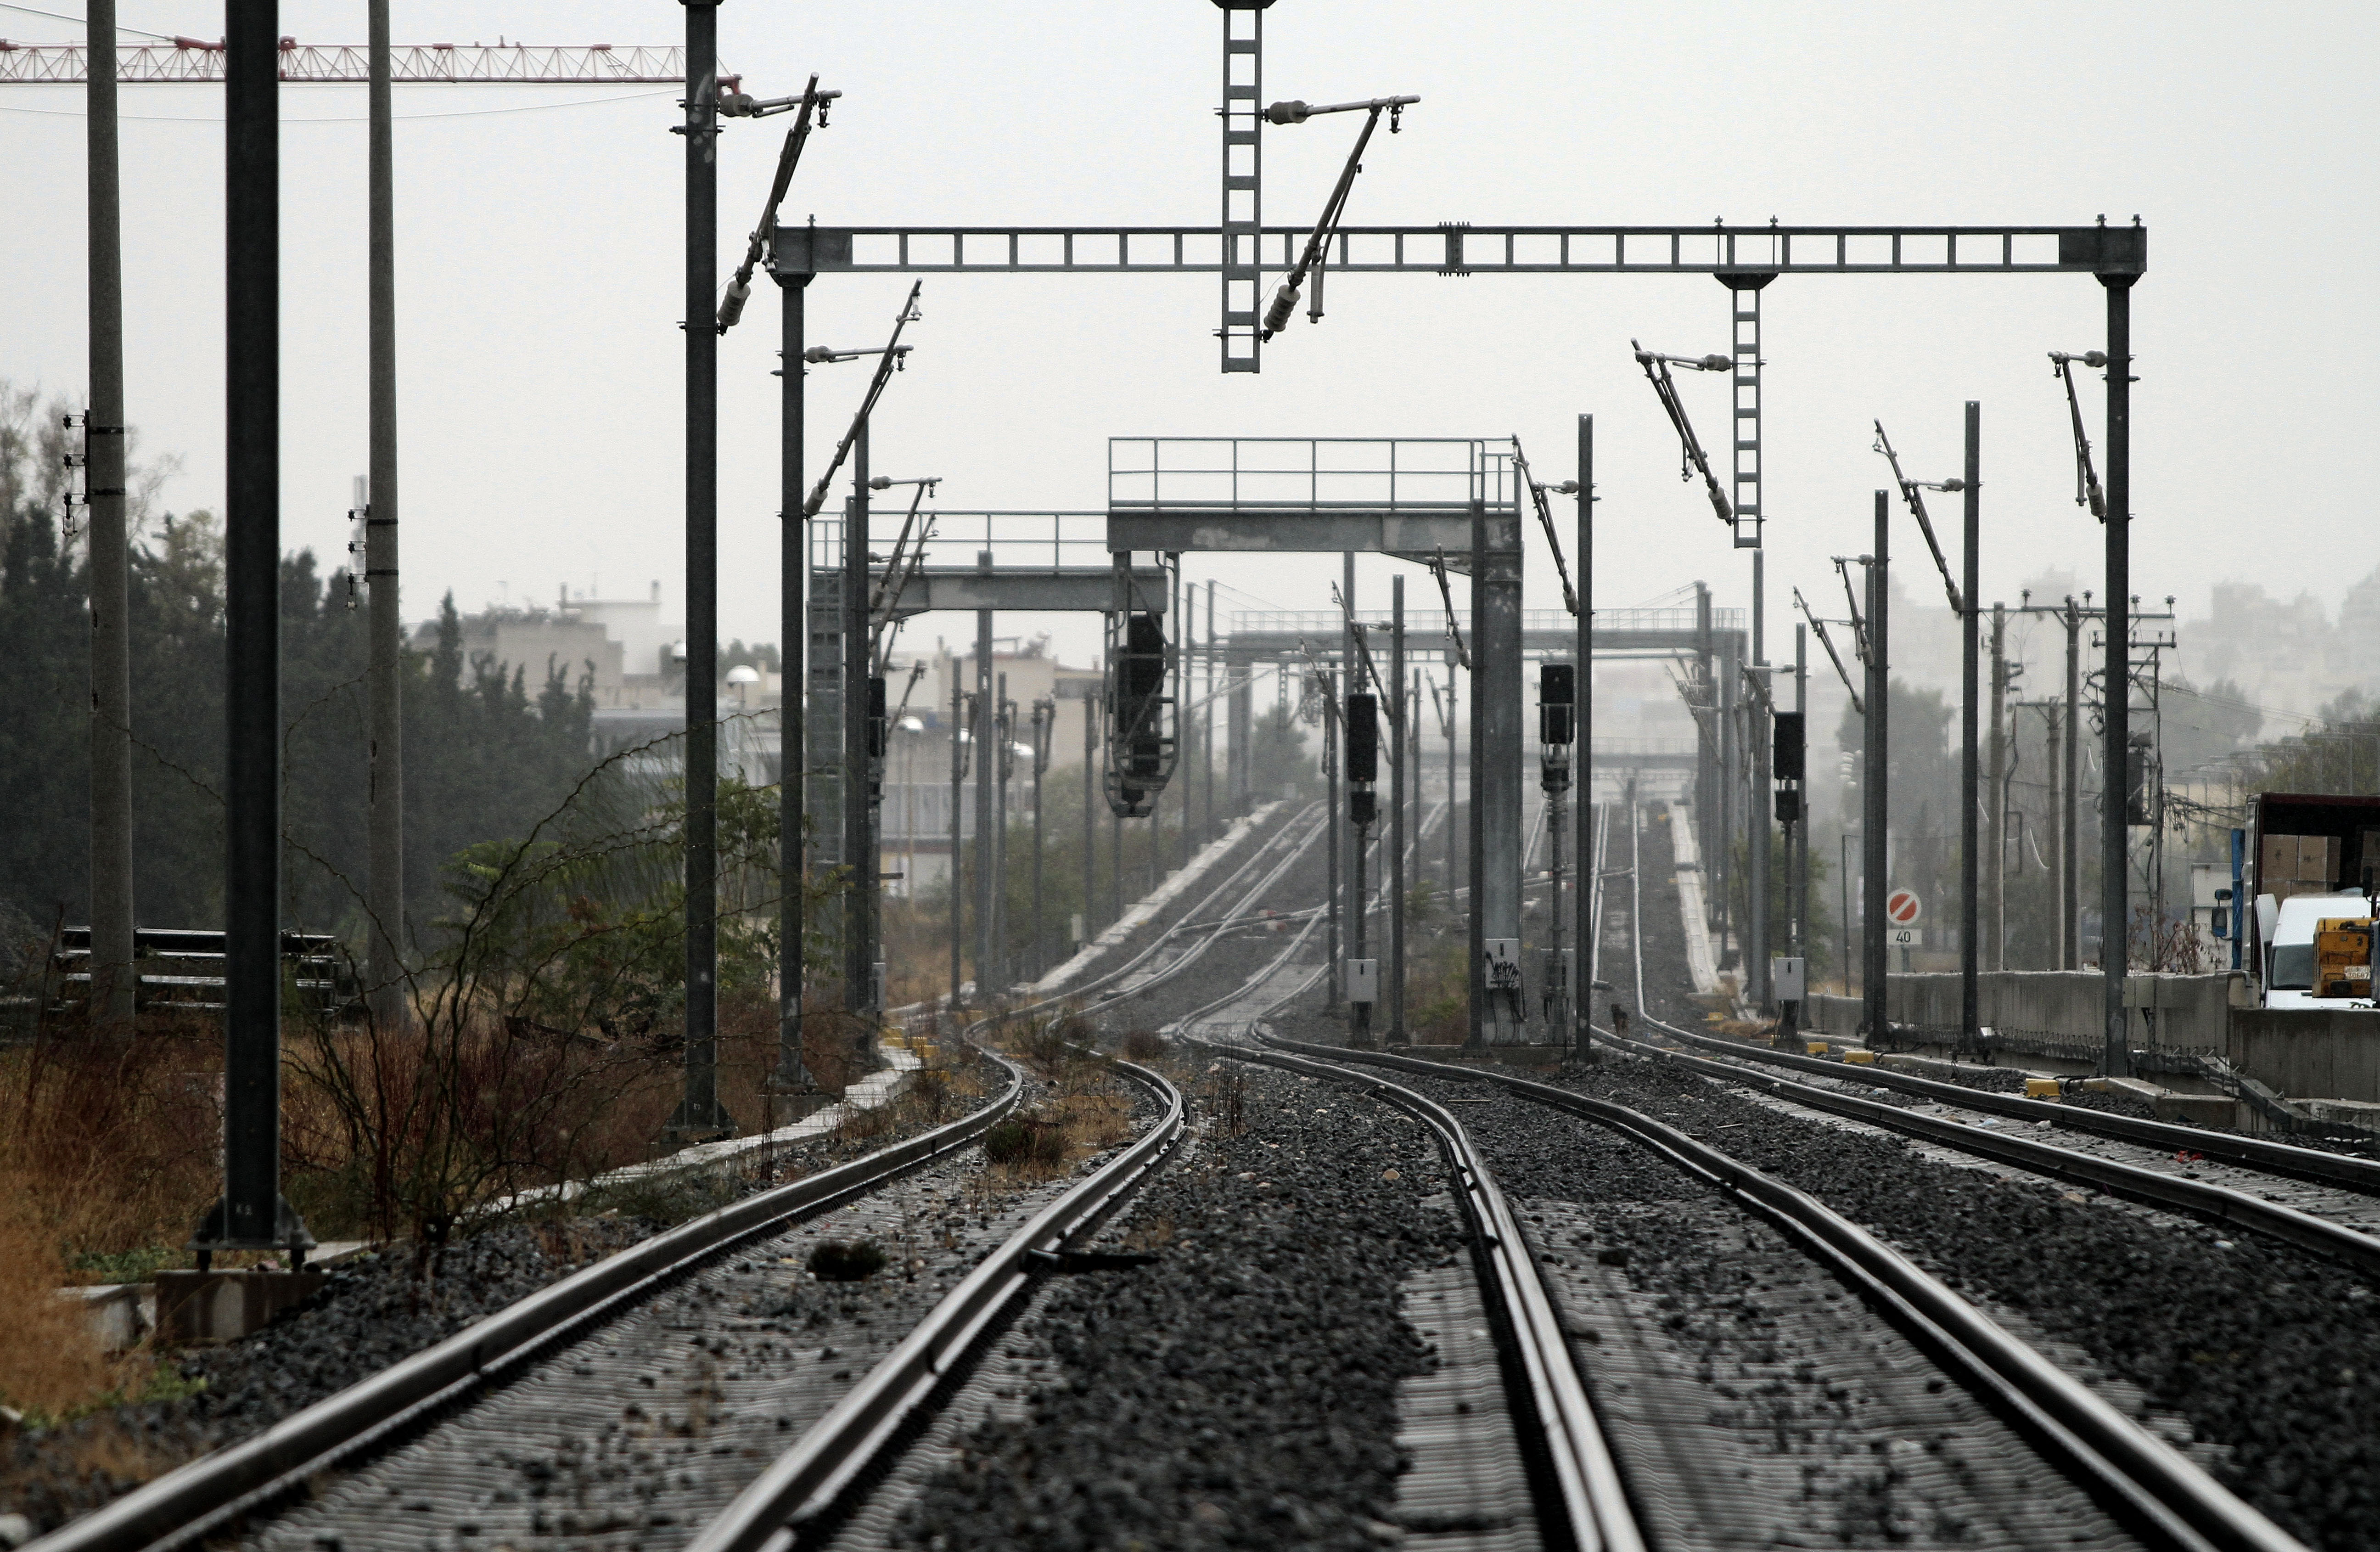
<point x="355" y="118"/>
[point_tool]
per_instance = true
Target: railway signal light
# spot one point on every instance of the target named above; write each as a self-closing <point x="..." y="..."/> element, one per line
<point x="1363" y="756"/>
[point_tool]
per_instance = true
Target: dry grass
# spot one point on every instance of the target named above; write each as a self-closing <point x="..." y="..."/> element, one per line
<point x="109" y="1148"/>
<point x="50" y="1366"/>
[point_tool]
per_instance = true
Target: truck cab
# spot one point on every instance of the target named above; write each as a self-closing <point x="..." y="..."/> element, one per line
<point x="2309" y="951"/>
<point x="2312" y="869"/>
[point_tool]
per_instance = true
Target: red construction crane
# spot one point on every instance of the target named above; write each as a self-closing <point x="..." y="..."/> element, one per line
<point x="194" y="59"/>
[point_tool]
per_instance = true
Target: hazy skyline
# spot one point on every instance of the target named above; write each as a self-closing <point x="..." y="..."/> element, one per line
<point x="540" y="273"/>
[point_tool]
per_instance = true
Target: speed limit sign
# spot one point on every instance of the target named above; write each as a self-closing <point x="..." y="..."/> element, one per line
<point x="1903" y="908"/>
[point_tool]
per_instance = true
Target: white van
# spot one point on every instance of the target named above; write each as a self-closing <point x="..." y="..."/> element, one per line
<point x="2287" y="928"/>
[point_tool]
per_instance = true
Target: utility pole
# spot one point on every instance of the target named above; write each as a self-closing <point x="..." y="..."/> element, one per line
<point x="1185" y="600"/>
<point x="698" y="1114"/>
<point x="1045" y="725"/>
<point x="1970" y="1005"/>
<point x="1453" y="770"/>
<point x="1328" y="687"/>
<point x="1090" y="817"/>
<point x="1398" y="759"/>
<point x="115" y="978"/>
<point x="793" y="1074"/>
<point x="1583" y="959"/>
<point x="1803" y="940"/>
<point x="959" y="721"/>
<point x="1003" y="935"/>
<point x="1346" y="833"/>
<point x="2114" y="866"/>
<point x="2053" y="720"/>
<point x="1206" y="721"/>
<point x="984" y="771"/>
<point x="251" y="1215"/>
<point x="1995" y="799"/>
<point x="1707" y="771"/>
<point x="384" y="871"/>
<point x="858" y="669"/>
<point x="1757" y="807"/>
<point x="2070" y="845"/>
<point x="1877" y="1024"/>
<point x="1363" y="769"/>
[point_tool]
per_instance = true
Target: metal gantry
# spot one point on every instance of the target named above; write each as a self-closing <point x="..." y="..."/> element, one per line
<point x="1239" y="250"/>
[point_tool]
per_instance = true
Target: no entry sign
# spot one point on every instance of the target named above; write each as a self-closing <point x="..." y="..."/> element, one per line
<point x="1901" y="908"/>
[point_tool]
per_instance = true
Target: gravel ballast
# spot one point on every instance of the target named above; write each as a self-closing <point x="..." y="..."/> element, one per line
<point x="370" y="1314"/>
<point x="1242" y="1391"/>
<point x="1752" y="1401"/>
<point x="2269" y="1356"/>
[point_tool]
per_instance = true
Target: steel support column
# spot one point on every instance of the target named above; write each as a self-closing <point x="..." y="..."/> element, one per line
<point x="1751" y="512"/>
<point x="1238" y="742"/>
<point x="1803" y="941"/>
<point x="1336" y="822"/>
<point x="698" y="1114"/>
<point x="1757" y="804"/>
<point x="2069" y="859"/>
<point x="858" y="942"/>
<point x="793" y="630"/>
<point x="1090" y="817"/>
<point x="1497" y="713"/>
<point x="1876" y="853"/>
<point x="384" y="860"/>
<point x="1582" y="957"/>
<point x="1396" y="703"/>
<point x="2115" y="865"/>
<point x="985" y="710"/>
<point x="115" y="978"/>
<point x="250" y="1215"/>
<point x="1243" y="212"/>
<point x="1707" y="779"/>
<point x="1970" y="854"/>
<point x="958" y="833"/>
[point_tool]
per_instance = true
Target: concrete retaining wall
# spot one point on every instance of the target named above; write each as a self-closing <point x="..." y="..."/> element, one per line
<point x="2190" y="1013"/>
<point x="2322" y="1055"/>
<point x="2312" y="1055"/>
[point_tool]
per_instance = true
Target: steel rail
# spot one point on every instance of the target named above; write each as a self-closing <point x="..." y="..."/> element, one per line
<point x="2252" y="1153"/>
<point x="2205" y="1199"/>
<point x="2160" y="1493"/>
<point x="1312" y="811"/>
<point x="1313" y="918"/>
<point x="194" y="1500"/>
<point x="992" y="1015"/>
<point x="807" y="1480"/>
<point x="1593" y="1500"/>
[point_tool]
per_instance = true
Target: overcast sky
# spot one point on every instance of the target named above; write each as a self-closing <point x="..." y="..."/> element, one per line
<point x="540" y="273"/>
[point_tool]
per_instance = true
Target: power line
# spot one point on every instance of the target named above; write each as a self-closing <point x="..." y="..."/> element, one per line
<point x="358" y="118"/>
<point x="61" y="16"/>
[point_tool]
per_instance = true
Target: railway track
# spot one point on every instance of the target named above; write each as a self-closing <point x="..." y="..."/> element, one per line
<point x="2318" y="1201"/>
<point x="774" y="1430"/>
<point x="631" y="1399"/>
<point x="2135" y="1486"/>
<point x="521" y="1417"/>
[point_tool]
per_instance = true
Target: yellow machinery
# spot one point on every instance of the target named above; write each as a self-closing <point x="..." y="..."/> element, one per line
<point x="2342" y="957"/>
